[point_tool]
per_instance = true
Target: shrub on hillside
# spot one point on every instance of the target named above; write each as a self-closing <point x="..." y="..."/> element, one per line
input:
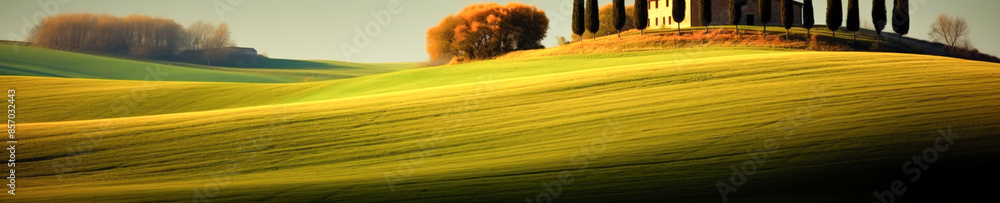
<point x="562" y="41"/>
<point x="484" y="31"/>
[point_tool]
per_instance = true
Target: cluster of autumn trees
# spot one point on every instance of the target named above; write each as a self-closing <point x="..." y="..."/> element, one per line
<point x="483" y="31"/>
<point x="134" y="35"/>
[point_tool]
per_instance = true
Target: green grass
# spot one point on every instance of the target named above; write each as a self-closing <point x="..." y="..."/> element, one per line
<point x="30" y="61"/>
<point x="309" y="70"/>
<point x="636" y="126"/>
<point x="162" y="98"/>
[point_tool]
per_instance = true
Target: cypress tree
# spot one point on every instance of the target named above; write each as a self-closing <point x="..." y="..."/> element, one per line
<point x="809" y="17"/>
<point x="679" y="10"/>
<point x="706" y="13"/>
<point x="878" y="17"/>
<point x="641" y="15"/>
<point x="834" y="15"/>
<point x="787" y="16"/>
<point x="764" y="12"/>
<point x="619" y="14"/>
<point x="901" y="18"/>
<point x="735" y="14"/>
<point x="579" y="25"/>
<point x="853" y="18"/>
<point x="593" y="18"/>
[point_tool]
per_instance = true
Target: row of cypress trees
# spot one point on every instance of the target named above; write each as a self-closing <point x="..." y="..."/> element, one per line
<point x="834" y="16"/>
<point x="587" y="17"/>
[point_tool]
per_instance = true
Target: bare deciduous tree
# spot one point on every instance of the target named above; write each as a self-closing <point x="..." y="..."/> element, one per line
<point x="220" y="38"/>
<point x="199" y="33"/>
<point x="951" y="31"/>
<point x="216" y="46"/>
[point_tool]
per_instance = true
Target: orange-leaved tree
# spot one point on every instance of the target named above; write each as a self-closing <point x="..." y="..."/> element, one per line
<point x="483" y="31"/>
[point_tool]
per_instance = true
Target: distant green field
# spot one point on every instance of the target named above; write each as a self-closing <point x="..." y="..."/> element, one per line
<point x="639" y="126"/>
<point x="310" y="70"/>
<point x="29" y="61"/>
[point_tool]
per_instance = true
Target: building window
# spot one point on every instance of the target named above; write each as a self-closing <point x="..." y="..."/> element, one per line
<point x="657" y="22"/>
<point x="671" y="20"/>
<point x="667" y="3"/>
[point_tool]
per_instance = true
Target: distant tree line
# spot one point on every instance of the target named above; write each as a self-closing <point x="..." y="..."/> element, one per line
<point x="133" y="35"/>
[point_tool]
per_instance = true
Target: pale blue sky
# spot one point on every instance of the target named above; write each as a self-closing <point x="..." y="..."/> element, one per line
<point x="317" y="29"/>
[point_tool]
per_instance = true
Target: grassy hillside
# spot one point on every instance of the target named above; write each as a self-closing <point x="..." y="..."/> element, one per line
<point x="162" y="97"/>
<point x="636" y="126"/>
<point x="821" y="39"/>
<point x="29" y="61"/>
<point x="310" y="70"/>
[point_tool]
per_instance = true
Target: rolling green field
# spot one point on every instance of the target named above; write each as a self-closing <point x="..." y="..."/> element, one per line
<point x="177" y="97"/>
<point x="663" y="125"/>
<point x="30" y="61"/>
<point x="310" y="70"/>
